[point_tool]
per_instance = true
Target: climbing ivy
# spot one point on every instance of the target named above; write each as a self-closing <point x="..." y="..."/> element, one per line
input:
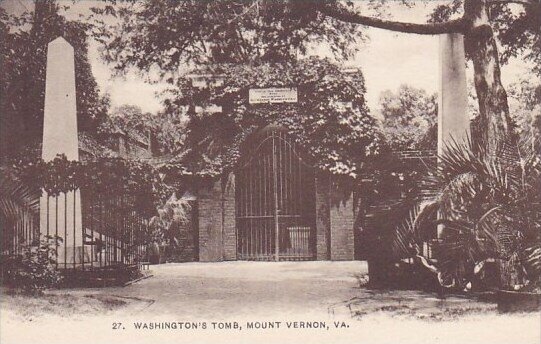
<point x="330" y="120"/>
<point x="101" y="176"/>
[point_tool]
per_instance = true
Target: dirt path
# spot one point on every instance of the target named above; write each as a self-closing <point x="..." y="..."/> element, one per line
<point x="257" y="292"/>
<point x="242" y="289"/>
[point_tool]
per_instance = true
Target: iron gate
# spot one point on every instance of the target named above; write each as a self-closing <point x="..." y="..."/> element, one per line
<point x="275" y="202"/>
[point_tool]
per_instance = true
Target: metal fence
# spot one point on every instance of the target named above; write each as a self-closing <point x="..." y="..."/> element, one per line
<point x="114" y="232"/>
<point x="96" y="230"/>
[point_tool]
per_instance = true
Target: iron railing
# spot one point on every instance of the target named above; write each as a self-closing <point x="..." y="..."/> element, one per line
<point x="107" y="231"/>
<point x="275" y="202"/>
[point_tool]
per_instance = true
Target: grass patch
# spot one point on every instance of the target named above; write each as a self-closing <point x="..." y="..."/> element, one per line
<point x="417" y="305"/>
<point x="60" y="304"/>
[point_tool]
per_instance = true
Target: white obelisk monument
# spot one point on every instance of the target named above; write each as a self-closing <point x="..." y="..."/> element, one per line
<point x="61" y="215"/>
<point x="453" y="117"/>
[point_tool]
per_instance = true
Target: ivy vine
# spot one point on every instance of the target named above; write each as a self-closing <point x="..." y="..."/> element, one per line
<point x="100" y="176"/>
<point x="330" y="120"/>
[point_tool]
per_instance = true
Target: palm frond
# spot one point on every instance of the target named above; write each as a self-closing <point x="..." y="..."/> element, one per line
<point x="414" y="230"/>
<point x="487" y="231"/>
<point x="459" y="158"/>
<point x="462" y="189"/>
<point x="533" y="260"/>
<point x="425" y="220"/>
<point x="459" y="250"/>
<point x="16" y="199"/>
<point x="404" y="244"/>
<point x="489" y="206"/>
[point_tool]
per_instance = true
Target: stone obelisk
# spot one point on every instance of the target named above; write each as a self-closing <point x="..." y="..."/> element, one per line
<point x="453" y="117"/>
<point x="61" y="215"/>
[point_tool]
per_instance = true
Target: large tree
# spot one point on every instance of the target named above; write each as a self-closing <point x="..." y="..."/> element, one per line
<point x="481" y="21"/>
<point x="168" y="35"/>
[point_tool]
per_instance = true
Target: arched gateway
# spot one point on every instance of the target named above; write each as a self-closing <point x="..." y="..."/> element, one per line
<point x="275" y="200"/>
<point x="275" y="206"/>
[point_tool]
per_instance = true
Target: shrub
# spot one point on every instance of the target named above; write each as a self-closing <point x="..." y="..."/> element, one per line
<point x="33" y="269"/>
<point x="490" y="209"/>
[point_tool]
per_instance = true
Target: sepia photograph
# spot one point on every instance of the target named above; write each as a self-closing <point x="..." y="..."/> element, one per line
<point x="270" y="171"/>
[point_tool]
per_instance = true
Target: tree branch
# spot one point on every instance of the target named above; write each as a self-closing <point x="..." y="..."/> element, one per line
<point x="341" y="13"/>
<point x="520" y="2"/>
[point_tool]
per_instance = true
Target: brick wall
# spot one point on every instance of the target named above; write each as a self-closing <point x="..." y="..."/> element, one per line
<point x="322" y="218"/>
<point x="229" y="222"/>
<point x="210" y="223"/>
<point x="342" y="221"/>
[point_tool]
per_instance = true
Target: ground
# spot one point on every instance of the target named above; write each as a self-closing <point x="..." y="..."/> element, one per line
<point x="259" y="293"/>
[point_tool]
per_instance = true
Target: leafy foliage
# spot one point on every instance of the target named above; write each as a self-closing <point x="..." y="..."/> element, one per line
<point x="525" y="104"/>
<point x="489" y="207"/>
<point x="164" y="36"/>
<point x="518" y="27"/>
<point x="519" y="31"/>
<point x="409" y="118"/>
<point x="166" y="130"/>
<point x="33" y="269"/>
<point x="330" y="119"/>
<point x="103" y="175"/>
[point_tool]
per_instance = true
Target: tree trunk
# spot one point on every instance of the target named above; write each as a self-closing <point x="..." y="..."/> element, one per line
<point x="509" y="274"/>
<point x="480" y="44"/>
<point x="494" y="123"/>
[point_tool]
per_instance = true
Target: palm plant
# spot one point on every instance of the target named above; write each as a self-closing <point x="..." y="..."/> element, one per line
<point x="18" y="203"/>
<point x="488" y="208"/>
